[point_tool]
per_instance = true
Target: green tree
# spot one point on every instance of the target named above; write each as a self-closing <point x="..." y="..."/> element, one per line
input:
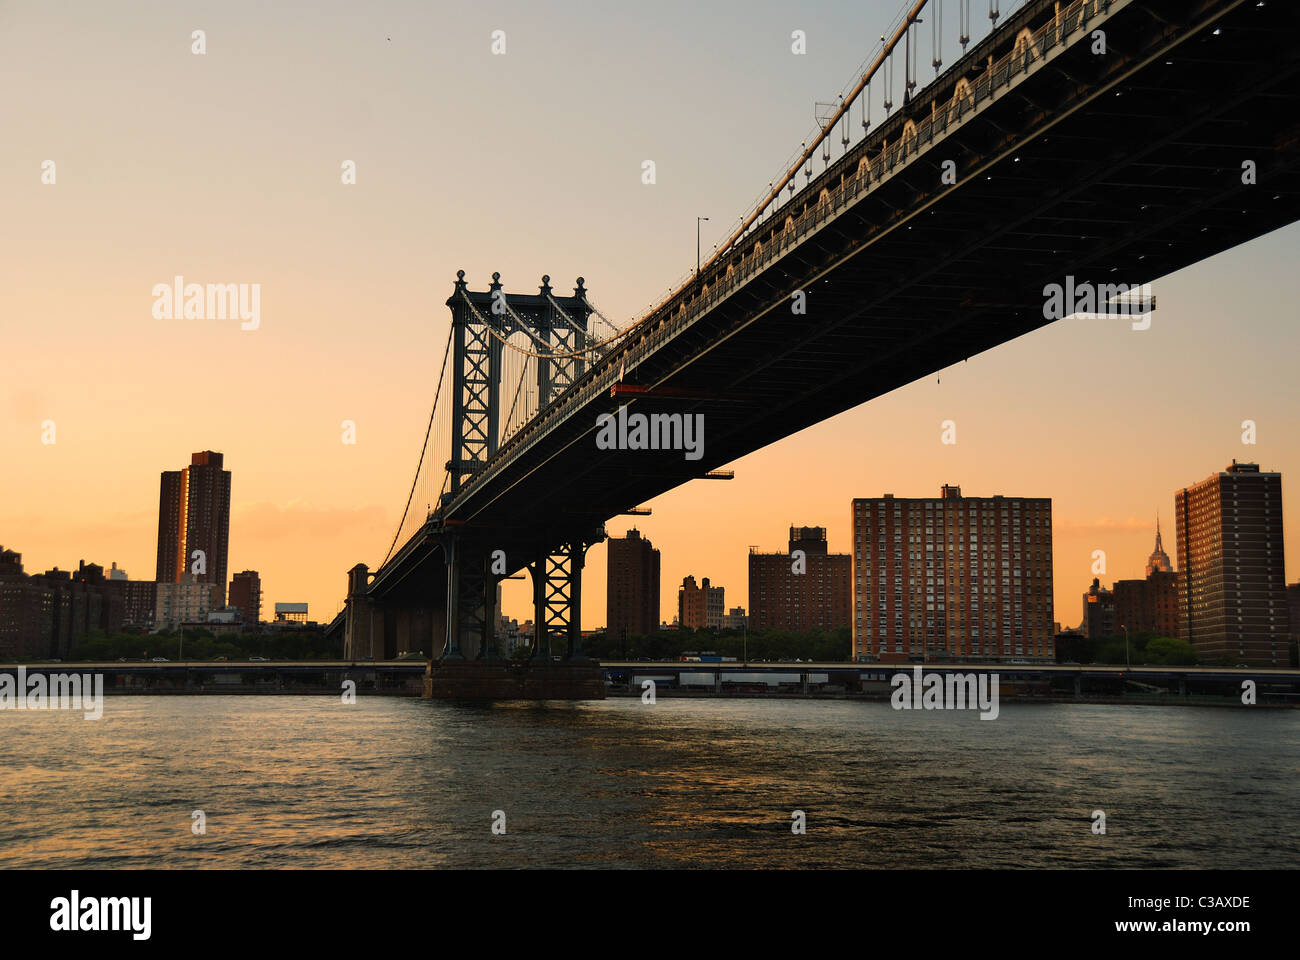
<point x="1171" y="652"/>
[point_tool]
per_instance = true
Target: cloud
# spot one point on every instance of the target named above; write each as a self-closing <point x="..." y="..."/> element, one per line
<point x="27" y="407"/>
<point x="1104" y="525"/>
<point x="269" y="521"/>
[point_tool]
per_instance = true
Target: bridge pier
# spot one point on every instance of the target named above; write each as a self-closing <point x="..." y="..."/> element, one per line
<point x="468" y="668"/>
<point x="359" y="625"/>
<point x="382" y="629"/>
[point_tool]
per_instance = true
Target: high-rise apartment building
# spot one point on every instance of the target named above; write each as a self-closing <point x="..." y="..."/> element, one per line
<point x="246" y="596"/>
<point x="700" y="607"/>
<point x="969" y="576"/>
<point x="1098" y="612"/>
<point x="800" y="591"/>
<point x="26" y="611"/>
<point x="632" y="587"/>
<point x="1149" y="605"/>
<point x="188" y="600"/>
<point x="139" y="601"/>
<point x="1293" y="608"/>
<point x="715" y="606"/>
<point x="735" y="619"/>
<point x="194" y="515"/>
<point x="1231" y="582"/>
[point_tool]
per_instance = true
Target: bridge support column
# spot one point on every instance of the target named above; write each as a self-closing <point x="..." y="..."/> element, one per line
<point x="577" y="560"/>
<point x="557" y="597"/>
<point x="486" y="629"/>
<point x="451" y="646"/>
<point x="471" y="601"/>
<point x="550" y="600"/>
<point x="356" y="630"/>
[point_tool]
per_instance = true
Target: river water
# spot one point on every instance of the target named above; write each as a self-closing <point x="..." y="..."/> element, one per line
<point x="310" y="782"/>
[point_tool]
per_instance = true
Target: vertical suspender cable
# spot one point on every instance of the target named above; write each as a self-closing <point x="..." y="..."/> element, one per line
<point x="909" y="63"/>
<point x="788" y="180"/>
<point x="938" y="35"/>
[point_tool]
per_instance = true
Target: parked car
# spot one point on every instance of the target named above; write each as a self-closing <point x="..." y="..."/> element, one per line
<point x="161" y="660"/>
<point x="261" y="659"/>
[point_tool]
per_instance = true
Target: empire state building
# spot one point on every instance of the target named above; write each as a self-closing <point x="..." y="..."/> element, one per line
<point x="1159" y="560"/>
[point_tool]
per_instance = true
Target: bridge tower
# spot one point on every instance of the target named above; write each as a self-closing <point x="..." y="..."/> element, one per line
<point x="556" y="335"/>
<point x="553" y="332"/>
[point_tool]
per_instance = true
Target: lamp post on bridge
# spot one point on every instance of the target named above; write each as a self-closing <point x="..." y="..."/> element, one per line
<point x="698" y="221"/>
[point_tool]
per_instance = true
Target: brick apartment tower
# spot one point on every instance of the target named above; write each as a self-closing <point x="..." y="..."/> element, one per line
<point x="632" y="587"/>
<point x="969" y="575"/>
<point x="246" y="596"/>
<point x="701" y="606"/>
<point x="820" y="598"/>
<point x="1231" y="582"/>
<point x="1099" y="617"/>
<point x="194" y="514"/>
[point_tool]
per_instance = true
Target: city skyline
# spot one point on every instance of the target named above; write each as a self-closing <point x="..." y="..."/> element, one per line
<point x="350" y="331"/>
<point x="674" y="588"/>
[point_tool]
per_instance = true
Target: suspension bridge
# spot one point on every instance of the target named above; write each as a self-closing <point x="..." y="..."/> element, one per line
<point x="1107" y="141"/>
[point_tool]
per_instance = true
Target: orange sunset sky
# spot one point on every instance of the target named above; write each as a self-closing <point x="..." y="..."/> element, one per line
<point x="225" y="168"/>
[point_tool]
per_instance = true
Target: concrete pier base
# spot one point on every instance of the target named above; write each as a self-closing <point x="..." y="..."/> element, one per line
<point x="506" y="680"/>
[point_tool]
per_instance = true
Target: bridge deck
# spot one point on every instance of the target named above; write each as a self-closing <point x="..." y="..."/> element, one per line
<point x="1117" y="168"/>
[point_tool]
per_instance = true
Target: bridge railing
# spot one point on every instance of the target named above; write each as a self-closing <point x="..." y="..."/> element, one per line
<point x="1076" y="10"/>
<point x="755" y="257"/>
